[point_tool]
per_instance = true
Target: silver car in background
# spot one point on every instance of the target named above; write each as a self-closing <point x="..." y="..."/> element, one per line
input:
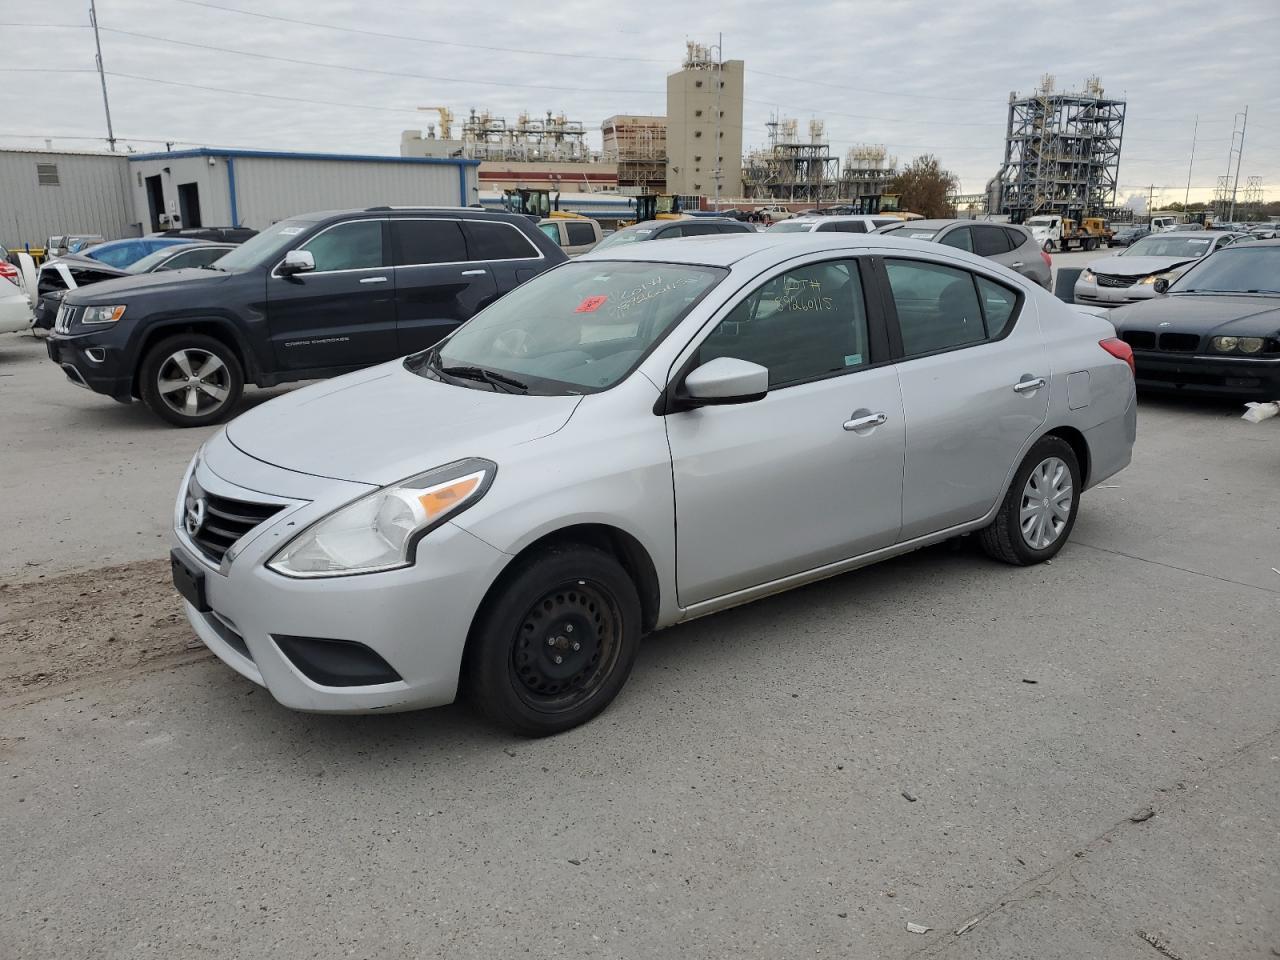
<point x="1130" y="276"/>
<point x="1008" y="244"/>
<point x="639" y="437"/>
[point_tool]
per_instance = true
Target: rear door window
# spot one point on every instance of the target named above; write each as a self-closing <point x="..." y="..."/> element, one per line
<point x="937" y="307"/>
<point x="492" y="240"/>
<point x="998" y="307"/>
<point x="420" y="242"/>
<point x="580" y="233"/>
<point x="990" y="241"/>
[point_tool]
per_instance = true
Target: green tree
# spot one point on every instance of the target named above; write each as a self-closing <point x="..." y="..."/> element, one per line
<point x="923" y="187"/>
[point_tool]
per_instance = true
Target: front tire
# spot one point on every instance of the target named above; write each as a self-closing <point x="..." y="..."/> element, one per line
<point x="191" y="380"/>
<point x="555" y="642"/>
<point x="1039" y="510"/>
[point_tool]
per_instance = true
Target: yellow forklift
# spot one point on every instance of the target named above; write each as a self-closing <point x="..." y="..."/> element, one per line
<point x="655" y="206"/>
<point x="532" y="203"/>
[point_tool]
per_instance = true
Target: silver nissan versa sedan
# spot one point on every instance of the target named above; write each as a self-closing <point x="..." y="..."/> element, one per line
<point x="633" y="439"/>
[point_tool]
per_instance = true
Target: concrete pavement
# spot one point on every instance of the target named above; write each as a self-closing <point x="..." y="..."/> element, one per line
<point x="743" y="797"/>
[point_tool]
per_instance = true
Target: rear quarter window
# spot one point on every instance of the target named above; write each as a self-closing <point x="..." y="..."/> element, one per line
<point x="491" y="240"/>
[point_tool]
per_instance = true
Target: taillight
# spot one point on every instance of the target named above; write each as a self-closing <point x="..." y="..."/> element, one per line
<point x="1120" y="350"/>
<point x="1048" y="260"/>
<point x="8" y="271"/>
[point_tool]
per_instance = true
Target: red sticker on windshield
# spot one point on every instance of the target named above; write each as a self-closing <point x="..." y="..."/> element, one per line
<point x="590" y="305"/>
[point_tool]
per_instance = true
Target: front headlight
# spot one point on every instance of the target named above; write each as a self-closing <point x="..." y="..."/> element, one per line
<point x="98" y="315"/>
<point x="381" y="530"/>
<point x="1086" y="274"/>
<point x="1148" y="281"/>
<point x="1249" y="345"/>
<point x="1225" y="344"/>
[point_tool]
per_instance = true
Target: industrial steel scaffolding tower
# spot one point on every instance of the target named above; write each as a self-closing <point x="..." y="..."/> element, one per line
<point x="1061" y="153"/>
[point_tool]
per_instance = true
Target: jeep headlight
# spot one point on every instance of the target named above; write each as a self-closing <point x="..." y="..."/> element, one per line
<point x="100" y="315"/>
<point x="381" y="530"/>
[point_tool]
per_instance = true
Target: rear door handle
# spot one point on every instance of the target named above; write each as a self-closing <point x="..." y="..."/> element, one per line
<point x="1019" y="264"/>
<point x="473" y="273"/>
<point x="1028" y="384"/>
<point x="870" y="420"/>
<point x="373" y="279"/>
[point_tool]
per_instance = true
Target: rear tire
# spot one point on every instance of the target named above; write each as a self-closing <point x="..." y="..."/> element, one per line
<point x="1039" y="509"/>
<point x="191" y="380"/>
<point x="555" y="642"/>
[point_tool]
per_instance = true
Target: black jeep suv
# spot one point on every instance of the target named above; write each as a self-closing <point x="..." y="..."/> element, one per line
<point x="309" y="297"/>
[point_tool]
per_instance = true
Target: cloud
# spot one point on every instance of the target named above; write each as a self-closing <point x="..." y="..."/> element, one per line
<point x="943" y="72"/>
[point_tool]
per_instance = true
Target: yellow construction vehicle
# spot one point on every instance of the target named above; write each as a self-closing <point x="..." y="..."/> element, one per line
<point x="655" y="206"/>
<point x="533" y="203"/>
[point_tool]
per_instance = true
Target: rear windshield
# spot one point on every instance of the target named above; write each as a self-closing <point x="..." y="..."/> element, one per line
<point x="790" y="226"/>
<point x="915" y="233"/>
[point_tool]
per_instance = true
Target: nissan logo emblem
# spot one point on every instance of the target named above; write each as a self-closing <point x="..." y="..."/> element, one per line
<point x="193" y="519"/>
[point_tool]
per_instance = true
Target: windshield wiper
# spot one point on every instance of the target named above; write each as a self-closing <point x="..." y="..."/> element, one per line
<point x="485" y="376"/>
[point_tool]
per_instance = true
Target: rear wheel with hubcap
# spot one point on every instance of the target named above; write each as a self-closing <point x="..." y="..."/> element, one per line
<point x="1040" y="507"/>
<point x="191" y="380"/>
<point x="555" y="642"/>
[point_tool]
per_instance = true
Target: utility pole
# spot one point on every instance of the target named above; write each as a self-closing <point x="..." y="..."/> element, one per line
<point x="102" y="76"/>
<point x="1186" y="198"/>
<point x="1239" y="152"/>
<point x="1151" y="200"/>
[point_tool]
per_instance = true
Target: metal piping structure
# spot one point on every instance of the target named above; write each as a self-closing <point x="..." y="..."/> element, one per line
<point x="1061" y="153"/>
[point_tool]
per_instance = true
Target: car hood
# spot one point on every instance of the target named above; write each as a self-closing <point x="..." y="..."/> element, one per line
<point x="384" y="424"/>
<point x="1137" y="266"/>
<point x="1202" y="313"/>
<point x="162" y="281"/>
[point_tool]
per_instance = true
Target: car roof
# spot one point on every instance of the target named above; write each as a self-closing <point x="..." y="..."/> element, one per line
<point x="321" y="216"/>
<point x="939" y="224"/>
<point x="725" y="250"/>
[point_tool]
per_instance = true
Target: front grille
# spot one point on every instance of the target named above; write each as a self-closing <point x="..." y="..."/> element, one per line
<point x="223" y="520"/>
<point x="65" y="317"/>
<point x="1179" y="342"/>
<point x="1105" y="281"/>
<point x="1140" y="339"/>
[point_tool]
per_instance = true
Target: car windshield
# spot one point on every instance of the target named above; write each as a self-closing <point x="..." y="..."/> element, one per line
<point x="579" y="328"/>
<point x="1167" y="245"/>
<point x="628" y="235"/>
<point x="151" y="260"/>
<point x="790" y="226"/>
<point x="265" y="247"/>
<point x="1251" y="269"/>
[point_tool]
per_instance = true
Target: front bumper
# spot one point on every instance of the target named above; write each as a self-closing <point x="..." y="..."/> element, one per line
<point x="1088" y="291"/>
<point x="1249" y="378"/>
<point x="92" y="361"/>
<point x="415" y="619"/>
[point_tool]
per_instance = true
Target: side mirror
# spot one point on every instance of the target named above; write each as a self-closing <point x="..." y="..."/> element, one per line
<point x="297" y="261"/>
<point x="1162" y="285"/>
<point x="726" y="380"/>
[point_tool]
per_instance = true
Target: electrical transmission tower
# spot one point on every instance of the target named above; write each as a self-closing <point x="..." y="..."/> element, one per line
<point x="1251" y="204"/>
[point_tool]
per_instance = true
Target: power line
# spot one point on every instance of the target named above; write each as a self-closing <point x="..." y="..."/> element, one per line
<point x="412" y="39"/>
<point x="399" y="74"/>
<point x="266" y="96"/>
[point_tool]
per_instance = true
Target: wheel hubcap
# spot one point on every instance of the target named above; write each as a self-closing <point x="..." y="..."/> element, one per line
<point x="565" y="647"/>
<point x="1046" y="503"/>
<point x="193" y="382"/>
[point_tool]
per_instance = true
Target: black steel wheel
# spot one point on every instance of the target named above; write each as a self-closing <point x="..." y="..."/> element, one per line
<point x="555" y="640"/>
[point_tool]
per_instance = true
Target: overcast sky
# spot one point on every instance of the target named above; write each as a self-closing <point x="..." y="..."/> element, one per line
<point x="915" y="75"/>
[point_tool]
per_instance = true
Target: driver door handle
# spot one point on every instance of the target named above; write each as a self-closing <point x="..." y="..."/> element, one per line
<point x="473" y="273"/>
<point x="1023" y="386"/>
<point x="870" y="420"/>
<point x="373" y="279"/>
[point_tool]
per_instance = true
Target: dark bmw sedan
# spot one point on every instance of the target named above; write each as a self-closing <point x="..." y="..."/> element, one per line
<point x="1215" y="330"/>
